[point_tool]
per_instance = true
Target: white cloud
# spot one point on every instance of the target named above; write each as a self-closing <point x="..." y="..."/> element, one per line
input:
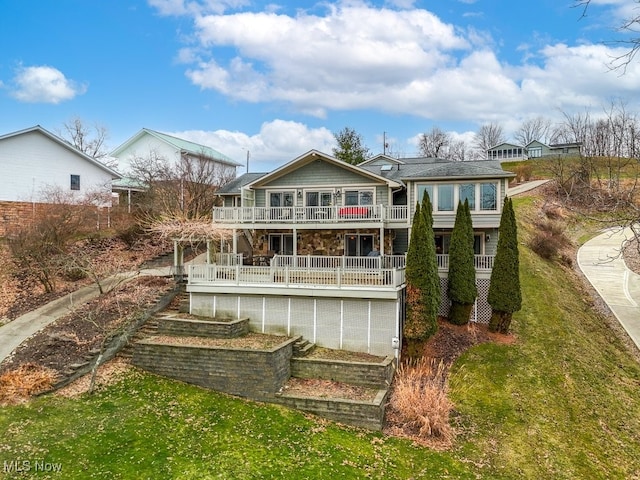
<point x="277" y="142"/>
<point x="44" y="84"/>
<point x="194" y="7"/>
<point x="346" y="59"/>
<point x="355" y="56"/>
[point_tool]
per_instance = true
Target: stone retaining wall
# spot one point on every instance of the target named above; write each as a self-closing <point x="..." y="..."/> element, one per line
<point x="176" y="326"/>
<point x="352" y="412"/>
<point x="257" y="374"/>
<point x="376" y="375"/>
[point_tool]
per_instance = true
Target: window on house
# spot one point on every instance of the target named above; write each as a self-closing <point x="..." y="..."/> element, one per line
<point x="445" y="198"/>
<point x="75" y="182"/>
<point x="467" y="191"/>
<point x="281" y="199"/>
<point x="358" y="197"/>
<point x="422" y="189"/>
<point x="318" y="199"/>
<point x="488" y="196"/>
<point x="535" y="152"/>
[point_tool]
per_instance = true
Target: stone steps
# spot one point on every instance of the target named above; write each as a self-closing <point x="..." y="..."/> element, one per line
<point x="303" y="347"/>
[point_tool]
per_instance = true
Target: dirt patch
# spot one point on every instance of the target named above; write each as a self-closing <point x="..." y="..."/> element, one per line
<point x="71" y="338"/>
<point x="312" y="387"/>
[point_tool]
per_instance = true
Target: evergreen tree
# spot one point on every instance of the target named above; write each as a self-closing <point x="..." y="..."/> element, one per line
<point x="505" y="296"/>
<point x="432" y="291"/>
<point x="462" y="273"/>
<point x="416" y="330"/>
<point x="350" y="146"/>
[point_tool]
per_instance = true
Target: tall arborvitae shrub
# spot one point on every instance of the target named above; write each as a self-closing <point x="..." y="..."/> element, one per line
<point x="432" y="292"/>
<point x="415" y="327"/>
<point x="461" y="285"/>
<point x="505" y="296"/>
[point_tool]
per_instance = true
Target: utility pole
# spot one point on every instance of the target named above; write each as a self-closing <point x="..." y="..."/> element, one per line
<point x="248" y="154"/>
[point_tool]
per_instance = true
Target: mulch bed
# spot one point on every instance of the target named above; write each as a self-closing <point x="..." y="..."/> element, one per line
<point x="344" y="355"/>
<point x="257" y="341"/>
<point x="313" y="387"/>
<point x="451" y="341"/>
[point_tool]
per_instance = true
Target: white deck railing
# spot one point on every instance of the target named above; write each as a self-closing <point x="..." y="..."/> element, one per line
<point x="227" y="258"/>
<point x="290" y="276"/>
<point x="301" y="215"/>
<point x="481" y="262"/>
<point x="324" y="262"/>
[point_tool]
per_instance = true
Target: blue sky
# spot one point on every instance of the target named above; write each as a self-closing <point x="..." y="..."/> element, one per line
<point x="278" y="79"/>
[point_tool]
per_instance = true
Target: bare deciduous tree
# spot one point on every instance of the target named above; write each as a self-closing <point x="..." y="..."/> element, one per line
<point x="489" y="135"/>
<point x="37" y="248"/>
<point x="437" y="143"/>
<point x="184" y="190"/>
<point x="434" y="143"/>
<point x="533" y="129"/>
<point x="89" y="140"/>
<point x="630" y="25"/>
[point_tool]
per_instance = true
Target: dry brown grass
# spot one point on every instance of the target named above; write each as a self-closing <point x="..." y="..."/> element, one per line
<point x="419" y="406"/>
<point x="29" y="379"/>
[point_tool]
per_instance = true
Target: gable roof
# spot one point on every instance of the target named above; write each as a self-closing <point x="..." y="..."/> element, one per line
<point x="63" y="143"/>
<point x="311" y="156"/>
<point x="181" y="144"/>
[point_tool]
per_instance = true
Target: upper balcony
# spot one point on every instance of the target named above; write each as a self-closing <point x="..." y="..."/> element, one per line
<point x="330" y="215"/>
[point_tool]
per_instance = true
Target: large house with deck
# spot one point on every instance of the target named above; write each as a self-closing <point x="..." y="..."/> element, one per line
<point x="318" y="245"/>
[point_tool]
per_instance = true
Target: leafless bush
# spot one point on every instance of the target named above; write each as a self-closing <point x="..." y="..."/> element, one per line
<point x="419" y="402"/>
<point x="524" y="173"/>
<point x="549" y="239"/>
<point x="26" y="380"/>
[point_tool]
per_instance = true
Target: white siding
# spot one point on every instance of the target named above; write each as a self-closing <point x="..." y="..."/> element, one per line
<point x="143" y="148"/>
<point x="32" y="162"/>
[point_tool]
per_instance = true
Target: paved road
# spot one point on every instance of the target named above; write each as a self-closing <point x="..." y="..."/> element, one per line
<point x="601" y="261"/>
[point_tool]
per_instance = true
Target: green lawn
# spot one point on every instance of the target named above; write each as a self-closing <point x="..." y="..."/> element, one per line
<point x="563" y="402"/>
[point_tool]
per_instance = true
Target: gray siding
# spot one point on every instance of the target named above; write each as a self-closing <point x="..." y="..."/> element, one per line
<point x="320" y="173"/>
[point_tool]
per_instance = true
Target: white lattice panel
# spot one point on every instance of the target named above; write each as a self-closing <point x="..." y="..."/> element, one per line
<point x="328" y="324"/>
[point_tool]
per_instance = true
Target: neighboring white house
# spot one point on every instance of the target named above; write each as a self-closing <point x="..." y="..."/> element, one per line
<point x="149" y="143"/>
<point x="35" y="160"/>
